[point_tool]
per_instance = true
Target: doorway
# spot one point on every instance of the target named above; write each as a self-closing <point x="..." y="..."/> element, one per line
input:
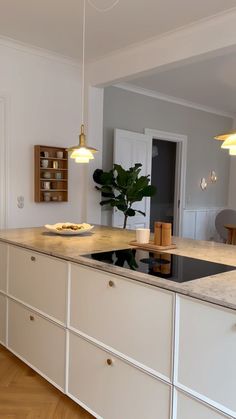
<point x="163" y="178"/>
<point x="180" y="172"/>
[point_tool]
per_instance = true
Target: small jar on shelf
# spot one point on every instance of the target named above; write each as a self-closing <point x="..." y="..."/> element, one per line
<point x="47" y="196"/>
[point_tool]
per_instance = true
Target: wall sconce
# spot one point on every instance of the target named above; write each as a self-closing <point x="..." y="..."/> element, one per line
<point x="203" y="184"/>
<point x="213" y="176"/>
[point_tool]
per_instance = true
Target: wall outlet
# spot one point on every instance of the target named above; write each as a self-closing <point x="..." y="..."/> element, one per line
<point x="20" y="202"/>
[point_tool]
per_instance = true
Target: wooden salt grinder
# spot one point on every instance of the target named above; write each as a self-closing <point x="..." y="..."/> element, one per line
<point x="166" y="234"/>
<point x="157" y="233"/>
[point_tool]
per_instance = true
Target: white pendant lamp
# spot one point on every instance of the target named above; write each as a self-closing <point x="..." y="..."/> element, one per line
<point x="229" y="142"/>
<point x="82" y="153"/>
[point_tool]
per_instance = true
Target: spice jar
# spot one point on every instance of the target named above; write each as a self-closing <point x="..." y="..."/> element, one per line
<point x="166" y="234"/>
<point x="157" y="233"/>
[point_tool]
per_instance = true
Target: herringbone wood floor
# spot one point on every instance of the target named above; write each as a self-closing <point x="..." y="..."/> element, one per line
<point x="26" y="395"/>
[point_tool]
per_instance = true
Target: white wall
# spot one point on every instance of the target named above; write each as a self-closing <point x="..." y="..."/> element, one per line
<point x="43" y="107"/>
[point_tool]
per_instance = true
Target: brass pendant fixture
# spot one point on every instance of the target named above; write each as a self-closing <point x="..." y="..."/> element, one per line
<point x="229" y="142"/>
<point x="81" y="152"/>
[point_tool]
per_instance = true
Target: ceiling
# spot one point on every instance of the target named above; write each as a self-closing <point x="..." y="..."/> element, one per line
<point x="56" y="24"/>
<point x="210" y="82"/>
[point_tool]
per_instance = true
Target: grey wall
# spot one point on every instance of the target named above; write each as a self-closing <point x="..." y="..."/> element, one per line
<point x="134" y="112"/>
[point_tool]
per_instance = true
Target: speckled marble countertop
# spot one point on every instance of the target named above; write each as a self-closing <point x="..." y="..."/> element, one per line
<point x="219" y="289"/>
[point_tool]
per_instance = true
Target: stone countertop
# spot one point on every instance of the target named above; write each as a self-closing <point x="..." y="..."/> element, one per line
<point x="219" y="289"/>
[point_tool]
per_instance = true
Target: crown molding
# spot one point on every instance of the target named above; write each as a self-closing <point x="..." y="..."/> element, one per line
<point x="33" y="50"/>
<point x="172" y="99"/>
<point x="220" y="17"/>
<point x="207" y="36"/>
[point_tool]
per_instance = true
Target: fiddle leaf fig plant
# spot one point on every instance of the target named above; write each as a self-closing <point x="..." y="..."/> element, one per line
<point x="121" y="188"/>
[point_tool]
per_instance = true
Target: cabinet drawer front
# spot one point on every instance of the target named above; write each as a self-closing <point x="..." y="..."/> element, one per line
<point x="188" y="407"/>
<point x="38" y="341"/>
<point x="207" y="348"/>
<point x="133" y="318"/>
<point x="3" y="309"/>
<point x="3" y="267"/>
<point x="114" y="391"/>
<point x="39" y="281"/>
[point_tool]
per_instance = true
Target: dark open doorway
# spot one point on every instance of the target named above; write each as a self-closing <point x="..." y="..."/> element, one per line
<point x="163" y="177"/>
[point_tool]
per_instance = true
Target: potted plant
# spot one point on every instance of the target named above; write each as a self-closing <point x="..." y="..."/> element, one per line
<point x="121" y="188"/>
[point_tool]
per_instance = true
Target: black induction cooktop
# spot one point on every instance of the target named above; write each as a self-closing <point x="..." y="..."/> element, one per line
<point x="163" y="265"/>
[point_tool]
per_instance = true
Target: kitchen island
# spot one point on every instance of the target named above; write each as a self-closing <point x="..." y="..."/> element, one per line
<point x="123" y="344"/>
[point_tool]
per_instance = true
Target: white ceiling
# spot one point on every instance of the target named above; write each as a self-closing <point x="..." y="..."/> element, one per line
<point x="56" y="24"/>
<point x="209" y="82"/>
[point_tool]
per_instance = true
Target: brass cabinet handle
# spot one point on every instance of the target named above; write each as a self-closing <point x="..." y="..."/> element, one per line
<point x="111" y="284"/>
<point x="33" y="258"/>
<point x="31" y="318"/>
<point x="109" y="361"/>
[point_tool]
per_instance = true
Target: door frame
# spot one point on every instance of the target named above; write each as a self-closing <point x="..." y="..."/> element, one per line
<point x="4" y="105"/>
<point x="180" y="172"/>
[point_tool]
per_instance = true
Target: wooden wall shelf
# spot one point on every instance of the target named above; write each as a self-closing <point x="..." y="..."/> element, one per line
<point x="50" y="174"/>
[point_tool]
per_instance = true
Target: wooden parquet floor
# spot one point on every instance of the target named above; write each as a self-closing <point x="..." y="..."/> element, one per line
<point x="24" y="394"/>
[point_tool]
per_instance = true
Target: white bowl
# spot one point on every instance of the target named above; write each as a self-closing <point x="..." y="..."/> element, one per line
<point x="57" y="228"/>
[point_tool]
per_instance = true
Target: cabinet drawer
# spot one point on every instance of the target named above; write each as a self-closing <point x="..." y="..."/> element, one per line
<point x="188" y="407"/>
<point x="114" y="391"/>
<point x="39" y="281"/>
<point x="207" y="348"/>
<point x="133" y="318"/>
<point x="3" y="310"/>
<point x="3" y="267"/>
<point x="40" y="342"/>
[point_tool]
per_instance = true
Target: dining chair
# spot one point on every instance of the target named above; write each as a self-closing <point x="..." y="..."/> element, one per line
<point x="226" y="216"/>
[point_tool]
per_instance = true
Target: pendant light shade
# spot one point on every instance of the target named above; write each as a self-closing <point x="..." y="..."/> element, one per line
<point x="227" y="136"/>
<point x="229" y="142"/>
<point x="82" y="153"/>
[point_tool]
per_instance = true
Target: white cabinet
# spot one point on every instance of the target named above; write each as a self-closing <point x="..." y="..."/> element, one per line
<point x="38" y="341"/>
<point x="112" y="388"/>
<point x="3" y="267"/>
<point x="133" y="318"/>
<point x="3" y="319"/>
<point x="190" y="408"/>
<point x="207" y="352"/>
<point x="39" y="281"/>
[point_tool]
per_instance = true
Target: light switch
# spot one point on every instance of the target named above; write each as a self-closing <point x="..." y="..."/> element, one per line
<point x="20" y="202"/>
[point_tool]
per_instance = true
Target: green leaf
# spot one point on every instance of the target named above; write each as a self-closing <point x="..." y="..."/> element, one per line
<point x="97" y="176"/>
<point x="107" y="178"/>
<point x="107" y="202"/>
<point x="150" y="190"/>
<point x="141" y="212"/>
<point x="130" y="212"/>
<point x="122" y="207"/>
<point x="106" y="188"/>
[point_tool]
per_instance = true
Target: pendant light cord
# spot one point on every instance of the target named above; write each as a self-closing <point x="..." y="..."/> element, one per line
<point x="106" y="9"/>
<point x="83" y="64"/>
<point x="83" y="52"/>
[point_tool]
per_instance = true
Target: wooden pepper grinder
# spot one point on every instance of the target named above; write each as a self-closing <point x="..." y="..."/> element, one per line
<point x="166" y="234"/>
<point x="157" y="233"/>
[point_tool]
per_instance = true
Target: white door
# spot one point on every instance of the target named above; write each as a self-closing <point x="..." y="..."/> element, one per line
<point x="130" y="148"/>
